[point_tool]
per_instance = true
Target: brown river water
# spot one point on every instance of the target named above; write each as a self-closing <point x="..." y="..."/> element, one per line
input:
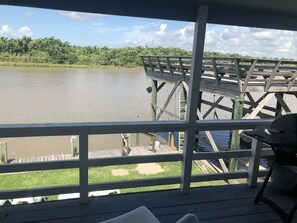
<point x="47" y="95"/>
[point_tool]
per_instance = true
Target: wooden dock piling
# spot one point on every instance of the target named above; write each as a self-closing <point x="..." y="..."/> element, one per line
<point x="3" y="153"/>
<point x="74" y="145"/>
<point x="235" y="136"/>
<point x="182" y="113"/>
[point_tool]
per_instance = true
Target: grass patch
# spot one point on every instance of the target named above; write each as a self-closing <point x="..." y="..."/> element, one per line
<point x="97" y="174"/>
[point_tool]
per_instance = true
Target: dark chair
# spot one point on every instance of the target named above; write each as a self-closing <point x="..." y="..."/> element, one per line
<point x="282" y="137"/>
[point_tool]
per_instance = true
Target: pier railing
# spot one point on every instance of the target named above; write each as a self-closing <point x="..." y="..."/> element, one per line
<point x="227" y="74"/>
<point x="83" y="130"/>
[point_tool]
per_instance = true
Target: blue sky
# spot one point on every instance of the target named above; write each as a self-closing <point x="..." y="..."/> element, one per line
<point x="117" y="31"/>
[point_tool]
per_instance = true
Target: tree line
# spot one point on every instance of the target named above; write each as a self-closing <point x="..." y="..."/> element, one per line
<point x="50" y="50"/>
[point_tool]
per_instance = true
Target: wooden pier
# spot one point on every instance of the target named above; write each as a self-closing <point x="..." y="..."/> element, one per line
<point x="250" y="83"/>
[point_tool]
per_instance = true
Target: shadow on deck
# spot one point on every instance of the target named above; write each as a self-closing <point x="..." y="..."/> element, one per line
<point x="217" y="204"/>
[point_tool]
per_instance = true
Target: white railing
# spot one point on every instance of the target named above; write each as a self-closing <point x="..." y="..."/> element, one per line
<point x="83" y="130"/>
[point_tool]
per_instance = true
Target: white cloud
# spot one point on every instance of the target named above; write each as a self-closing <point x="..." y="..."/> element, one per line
<point x="30" y="13"/>
<point x="25" y="31"/>
<point x="226" y="39"/>
<point x="100" y="28"/>
<point x="8" y="32"/>
<point x="162" y="29"/>
<point x="80" y="16"/>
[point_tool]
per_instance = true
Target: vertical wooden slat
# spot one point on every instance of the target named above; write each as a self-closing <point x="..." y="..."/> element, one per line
<point x="169" y="65"/>
<point x="159" y="64"/>
<point x="192" y="102"/>
<point x="143" y="63"/>
<point x="254" y="163"/>
<point x="215" y="71"/>
<point x="238" y="72"/>
<point x="249" y="74"/>
<point x="181" y="68"/>
<point x="151" y="65"/>
<point x="273" y="73"/>
<point x="83" y="166"/>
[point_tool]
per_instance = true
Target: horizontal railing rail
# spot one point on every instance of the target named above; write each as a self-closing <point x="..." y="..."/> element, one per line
<point x="83" y="130"/>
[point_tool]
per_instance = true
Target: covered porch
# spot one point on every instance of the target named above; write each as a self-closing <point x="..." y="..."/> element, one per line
<point x="214" y="204"/>
<point x="231" y="203"/>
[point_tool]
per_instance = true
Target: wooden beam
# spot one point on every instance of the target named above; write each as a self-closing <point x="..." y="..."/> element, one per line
<point x="249" y="74"/>
<point x="192" y="102"/>
<point x="278" y="109"/>
<point x="213" y="144"/>
<point x="261" y="104"/>
<point x="292" y="81"/>
<point x="214" y="105"/>
<point x="161" y="86"/>
<point x="272" y="75"/>
<point x="283" y="103"/>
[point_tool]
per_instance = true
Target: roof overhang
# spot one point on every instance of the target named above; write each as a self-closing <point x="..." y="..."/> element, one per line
<point x="273" y="14"/>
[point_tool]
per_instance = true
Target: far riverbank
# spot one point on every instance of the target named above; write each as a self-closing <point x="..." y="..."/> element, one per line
<point x="50" y="65"/>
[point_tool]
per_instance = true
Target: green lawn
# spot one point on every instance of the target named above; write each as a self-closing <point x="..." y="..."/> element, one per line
<point x="99" y="174"/>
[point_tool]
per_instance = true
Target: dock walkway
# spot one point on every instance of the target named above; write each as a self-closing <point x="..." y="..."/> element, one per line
<point x="135" y="151"/>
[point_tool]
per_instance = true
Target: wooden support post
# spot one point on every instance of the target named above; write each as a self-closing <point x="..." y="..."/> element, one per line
<point x="3" y="153"/>
<point x="278" y="109"/>
<point x="154" y="99"/>
<point x="171" y="140"/>
<point x="73" y="145"/>
<point x="193" y="97"/>
<point x="283" y="103"/>
<point x="235" y="137"/>
<point x="153" y="143"/>
<point x="182" y="112"/>
<point x="83" y="166"/>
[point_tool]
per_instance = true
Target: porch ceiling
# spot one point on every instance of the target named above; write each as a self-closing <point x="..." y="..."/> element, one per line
<point x="253" y="13"/>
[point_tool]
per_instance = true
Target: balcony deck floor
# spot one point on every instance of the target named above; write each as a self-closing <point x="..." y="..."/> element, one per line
<point x="217" y="204"/>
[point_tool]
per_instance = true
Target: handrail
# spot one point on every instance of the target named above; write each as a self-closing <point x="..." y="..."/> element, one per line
<point x="247" y="74"/>
<point x="84" y="129"/>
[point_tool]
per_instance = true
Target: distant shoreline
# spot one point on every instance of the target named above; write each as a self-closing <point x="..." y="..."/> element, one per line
<point x="49" y="65"/>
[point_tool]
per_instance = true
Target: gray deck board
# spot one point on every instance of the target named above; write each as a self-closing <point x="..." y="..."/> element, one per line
<point x="217" y="204"/>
